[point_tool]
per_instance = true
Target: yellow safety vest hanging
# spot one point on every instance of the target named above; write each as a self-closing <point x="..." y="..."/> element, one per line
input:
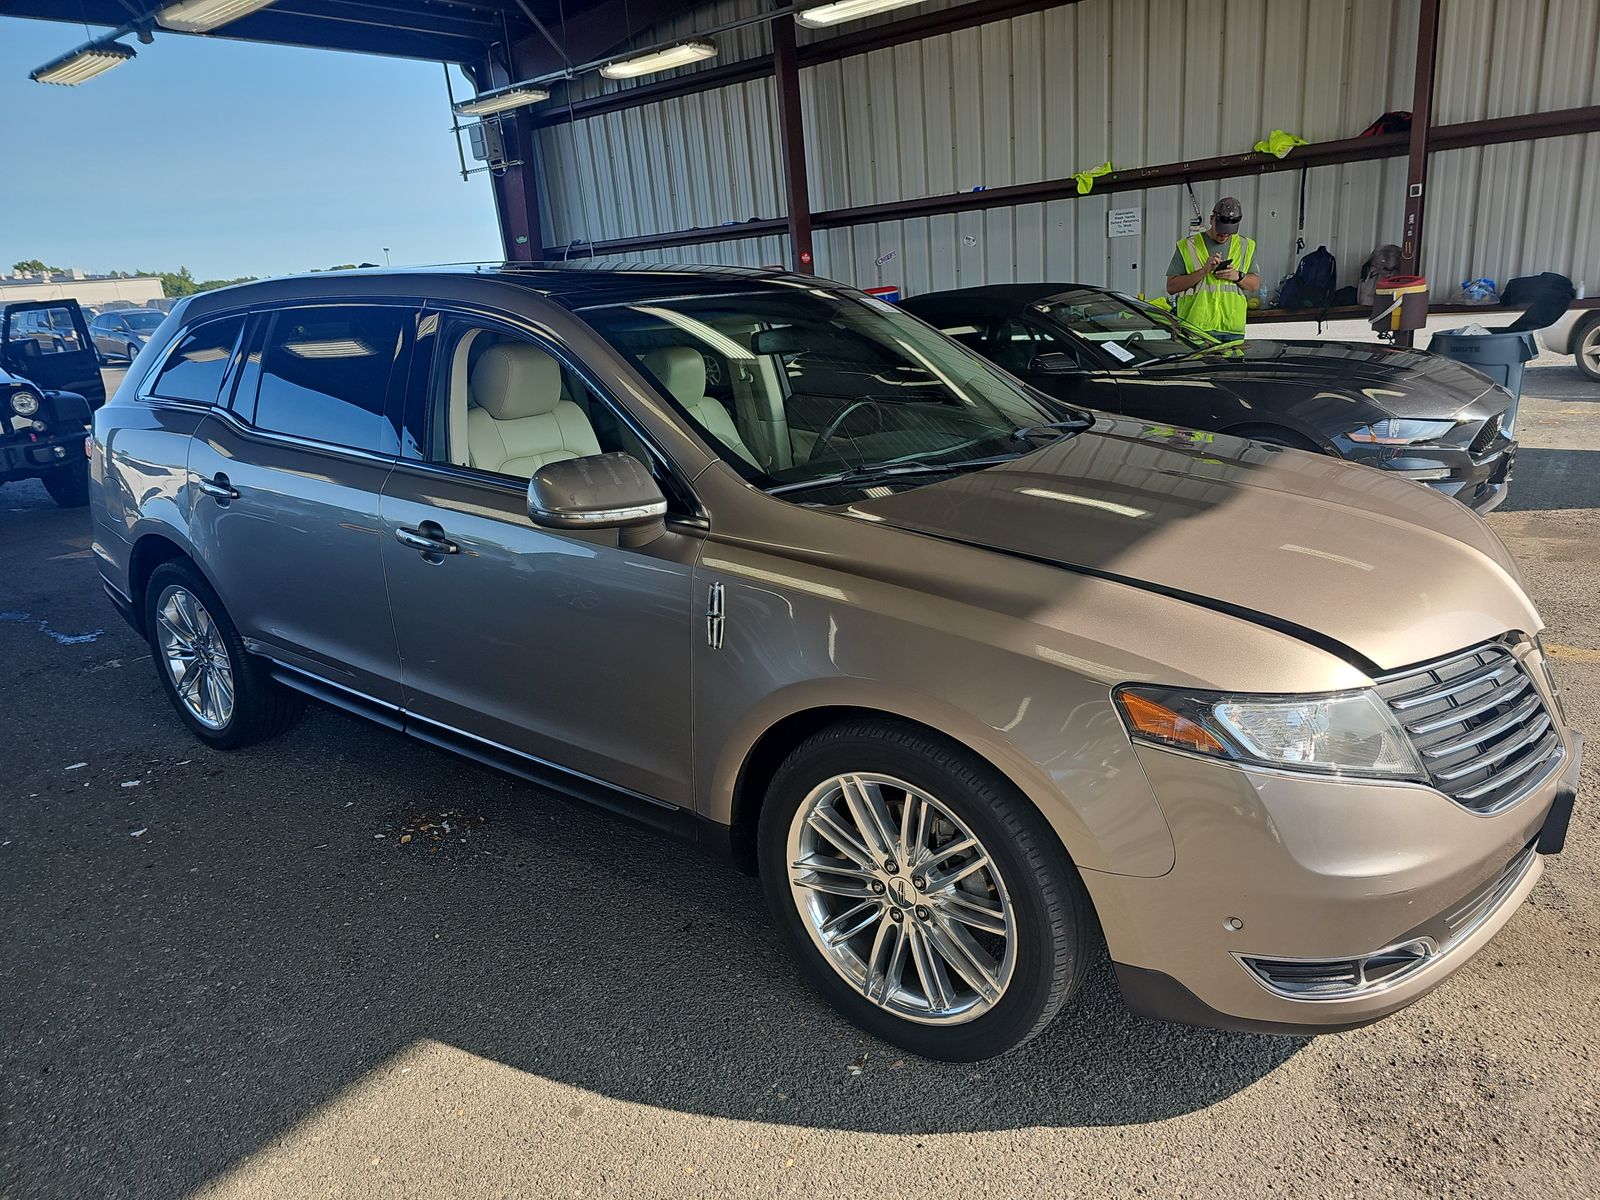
<point x="1213" y="304"/>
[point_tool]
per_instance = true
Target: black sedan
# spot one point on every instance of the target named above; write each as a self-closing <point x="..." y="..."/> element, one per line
<point x="1420" y="416"/>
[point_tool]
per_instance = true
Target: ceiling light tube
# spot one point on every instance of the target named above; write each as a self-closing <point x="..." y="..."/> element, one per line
<point x="499" y="102"/>
<point x="202" y="16"/>
<point x="837" y="13"/>
<point x="83" y="63"/>
<point x="680" y="55"/>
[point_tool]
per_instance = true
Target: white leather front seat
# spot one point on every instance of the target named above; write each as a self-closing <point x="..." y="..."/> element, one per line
<point x="682" y="371"/>
<point x="518" y="421"/>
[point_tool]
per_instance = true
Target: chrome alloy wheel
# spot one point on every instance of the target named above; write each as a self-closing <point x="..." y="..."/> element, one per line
<point x="195" y="656"/>
<point x="902" y="899"/>
<point x="1588" y="353"/>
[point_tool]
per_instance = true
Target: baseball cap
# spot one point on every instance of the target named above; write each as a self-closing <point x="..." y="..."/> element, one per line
<point x="1228" y="212"/>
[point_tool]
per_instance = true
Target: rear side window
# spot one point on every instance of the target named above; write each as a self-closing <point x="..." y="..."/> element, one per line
<point x="194" y="369"/>
<point x="325" y="374"/>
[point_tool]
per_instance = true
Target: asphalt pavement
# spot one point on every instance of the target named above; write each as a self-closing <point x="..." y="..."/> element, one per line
<point x="345" y="964"/>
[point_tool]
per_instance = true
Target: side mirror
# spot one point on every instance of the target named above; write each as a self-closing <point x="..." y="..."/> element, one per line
<point x="1056" y="363"/>
<point x="601" y="491"/>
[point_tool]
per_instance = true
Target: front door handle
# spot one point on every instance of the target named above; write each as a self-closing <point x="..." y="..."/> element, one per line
<point x="218" y="488"/>
<point x="429" y="539"/>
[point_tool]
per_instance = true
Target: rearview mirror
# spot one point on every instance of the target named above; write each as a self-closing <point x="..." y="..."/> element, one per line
<point x="785" y="339"/>
<point x="600" y="491"/>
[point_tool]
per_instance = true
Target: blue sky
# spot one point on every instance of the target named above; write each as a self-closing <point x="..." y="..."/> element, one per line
<point x="231" y="159"/>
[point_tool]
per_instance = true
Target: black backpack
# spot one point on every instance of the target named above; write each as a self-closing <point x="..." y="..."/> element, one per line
<point x="1313" y="282"/>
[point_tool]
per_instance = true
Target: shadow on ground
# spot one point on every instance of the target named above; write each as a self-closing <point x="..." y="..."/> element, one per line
<point x="179" y="999"/>
<point x="1554" y="479"/>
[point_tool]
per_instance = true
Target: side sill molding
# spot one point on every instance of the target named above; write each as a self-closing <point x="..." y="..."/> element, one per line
<point x="667" y="818"/>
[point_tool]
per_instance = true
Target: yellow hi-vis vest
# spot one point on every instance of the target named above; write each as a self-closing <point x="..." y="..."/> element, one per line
<point x="1213" y="304"/>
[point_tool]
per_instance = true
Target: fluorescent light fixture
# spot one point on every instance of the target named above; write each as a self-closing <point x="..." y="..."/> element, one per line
<point x="841" y="11"/>
<point x="83" y="63"/>
<point x="202" y="16"/>
<point x="649" y="63"/>
<point x="500" y="102"/>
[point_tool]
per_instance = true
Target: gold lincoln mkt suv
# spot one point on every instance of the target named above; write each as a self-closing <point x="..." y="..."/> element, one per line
<point x="968" y="675"/>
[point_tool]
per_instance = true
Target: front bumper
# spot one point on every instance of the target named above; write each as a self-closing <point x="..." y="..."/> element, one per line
<point x="23" y="455"/>
<point x="1477" y="480"/>
<point x="1283" y="869"/>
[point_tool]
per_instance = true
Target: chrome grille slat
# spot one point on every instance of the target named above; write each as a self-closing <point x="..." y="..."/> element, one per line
<point x="1503" y="751"/>
<point x="1456" y="687"/>
<point x="1509" y="776"/>
<point x="1478" y="707"/>
<point x="1480" y="723"/>
<point x="1482" y="734"/>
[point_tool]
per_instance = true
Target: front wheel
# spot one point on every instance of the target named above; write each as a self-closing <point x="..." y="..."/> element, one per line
<point x="219" y="690"/>
<point x="924" y="897"/>
<point x="1587" y="349"/>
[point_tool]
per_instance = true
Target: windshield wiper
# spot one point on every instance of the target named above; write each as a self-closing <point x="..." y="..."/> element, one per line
<point x="880" y="472"/>
<point x="1074" y="425"/>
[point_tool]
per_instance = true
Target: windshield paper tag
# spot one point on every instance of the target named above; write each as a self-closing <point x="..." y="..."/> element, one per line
<point x="1116" y="351"/>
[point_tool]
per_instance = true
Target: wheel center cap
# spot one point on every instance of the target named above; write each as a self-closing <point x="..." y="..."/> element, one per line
<point x="900" y="892"/>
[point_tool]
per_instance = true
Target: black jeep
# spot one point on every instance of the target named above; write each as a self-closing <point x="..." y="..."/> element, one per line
<point x="49" y="387"/>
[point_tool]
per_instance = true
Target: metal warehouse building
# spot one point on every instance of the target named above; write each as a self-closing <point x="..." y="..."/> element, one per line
<point x="936" y="144"/>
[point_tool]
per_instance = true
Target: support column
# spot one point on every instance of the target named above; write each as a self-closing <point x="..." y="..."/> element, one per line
<point x="1421" y="127"/>
<point x="791" y="128"/>
<point x="516" y="190"/>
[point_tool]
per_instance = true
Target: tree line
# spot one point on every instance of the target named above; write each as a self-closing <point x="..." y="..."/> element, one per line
<point x="174" y="284"/>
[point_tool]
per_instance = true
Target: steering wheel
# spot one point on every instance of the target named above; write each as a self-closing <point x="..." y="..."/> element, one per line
<point x="832" y="428"/>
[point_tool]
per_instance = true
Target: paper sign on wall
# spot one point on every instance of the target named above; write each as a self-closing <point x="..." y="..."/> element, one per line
<point x="1123" y="222"/>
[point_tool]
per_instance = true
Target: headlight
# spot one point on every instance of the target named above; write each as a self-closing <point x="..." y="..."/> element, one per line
<point x="1396" y="432"/>
<point x="1346" y="733"/>
<point x="24" y="403"/>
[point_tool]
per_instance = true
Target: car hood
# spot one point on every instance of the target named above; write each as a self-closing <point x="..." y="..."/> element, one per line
<point x="1383" y="572"/>
<point x="1404" y="383"/>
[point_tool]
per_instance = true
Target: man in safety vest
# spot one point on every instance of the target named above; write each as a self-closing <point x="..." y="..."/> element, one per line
<point x="1211" y="272"/>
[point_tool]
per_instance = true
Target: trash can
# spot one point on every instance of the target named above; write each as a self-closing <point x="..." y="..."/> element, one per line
<point x="1500" y="356"/>
<point x="1399" y="302"/>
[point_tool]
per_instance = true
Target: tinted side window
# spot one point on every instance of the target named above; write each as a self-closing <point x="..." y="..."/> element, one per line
<point x="194" y="369"/>
<point x="325" y="374"/>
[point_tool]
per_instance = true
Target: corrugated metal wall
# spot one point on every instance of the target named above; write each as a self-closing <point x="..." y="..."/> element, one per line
<point x="1133" y="81"/>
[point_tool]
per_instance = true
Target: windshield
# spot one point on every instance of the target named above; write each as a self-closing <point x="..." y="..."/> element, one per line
<point x="794" y="384"/>
<point x="1129" y="330"/>
<point x="144" y="322"/>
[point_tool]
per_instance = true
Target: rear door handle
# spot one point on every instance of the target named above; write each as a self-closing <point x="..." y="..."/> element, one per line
<point x="218" y="488"/>
<point x="427" y="540"/>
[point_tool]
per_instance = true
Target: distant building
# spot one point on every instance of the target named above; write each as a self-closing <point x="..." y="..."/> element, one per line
<point x="87" y="290"/>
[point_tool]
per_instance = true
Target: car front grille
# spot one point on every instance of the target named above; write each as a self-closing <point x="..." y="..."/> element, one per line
<point x="1484" y="438"/>
<point x="1480" y="726"/>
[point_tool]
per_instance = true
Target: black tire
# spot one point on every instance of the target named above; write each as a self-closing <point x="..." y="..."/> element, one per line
<point x="133" y="352"/>
<point x="1276" y="435"/>
<point x="1586" y="348"/>
<point x="262" y="708"/>
<point x="68" y="484"/>
<point x="1053" y="912"/>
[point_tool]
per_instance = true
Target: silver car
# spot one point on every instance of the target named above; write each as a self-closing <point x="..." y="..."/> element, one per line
<point x="972" y="678"/>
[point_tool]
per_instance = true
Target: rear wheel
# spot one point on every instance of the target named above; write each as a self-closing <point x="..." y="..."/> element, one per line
<point x="221" y="692"/>
<point x="68" y="484"/>
<point x="923" y="896"/>
<point x="1586" y="348"/>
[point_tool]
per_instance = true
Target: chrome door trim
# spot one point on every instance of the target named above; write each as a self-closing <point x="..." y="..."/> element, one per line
<point x="447" y="736"/>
